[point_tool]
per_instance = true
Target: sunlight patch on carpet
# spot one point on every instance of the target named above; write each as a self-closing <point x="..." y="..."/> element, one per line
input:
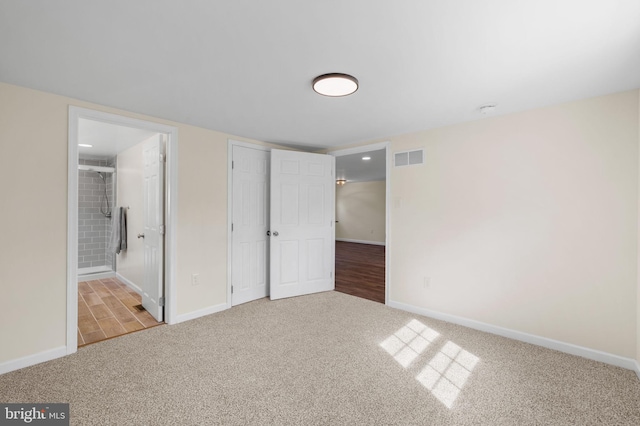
<point x="447" y="372"/>
<point x="406" y="344"/>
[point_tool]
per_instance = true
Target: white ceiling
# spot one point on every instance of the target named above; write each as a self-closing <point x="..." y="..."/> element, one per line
<point x="245" y="67"/>
<point x="354" y="169"/>
<point x="107" y="140"/>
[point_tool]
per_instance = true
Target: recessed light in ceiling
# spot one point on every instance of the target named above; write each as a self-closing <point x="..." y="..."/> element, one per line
<point x="335" y="84"/>
<point x="366" y="158"/>
<point x="488" y="109"/>
<point x="85" y="145"/>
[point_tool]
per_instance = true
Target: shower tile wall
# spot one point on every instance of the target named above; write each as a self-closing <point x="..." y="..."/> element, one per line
<point x="94" y="229"/>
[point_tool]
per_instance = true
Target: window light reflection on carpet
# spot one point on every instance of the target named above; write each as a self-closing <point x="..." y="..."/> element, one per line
<point x="445" y="374"/>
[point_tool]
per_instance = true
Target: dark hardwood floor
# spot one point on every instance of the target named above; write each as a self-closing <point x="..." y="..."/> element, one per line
<point x="360" y="270"/>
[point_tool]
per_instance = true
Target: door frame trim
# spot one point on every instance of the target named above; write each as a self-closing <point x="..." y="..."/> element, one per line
<point x="171" y="212"/>
<point x="375" y="147"/>
<point x="230" y="144"/>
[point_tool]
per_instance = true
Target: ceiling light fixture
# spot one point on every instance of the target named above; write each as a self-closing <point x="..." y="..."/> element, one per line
<point x="85" y="145"/>
<point x="341" y="182"/>
<point x="335" y="84"/>
<point x="366" y="158"/>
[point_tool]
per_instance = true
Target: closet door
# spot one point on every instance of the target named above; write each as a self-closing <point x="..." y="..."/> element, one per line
<point x="302" y="223"/>
<point x="250" y="219"/>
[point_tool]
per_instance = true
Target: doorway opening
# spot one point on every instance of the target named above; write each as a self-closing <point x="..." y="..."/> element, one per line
<point x="121" y="225"/>
<point x="362" y="221"/>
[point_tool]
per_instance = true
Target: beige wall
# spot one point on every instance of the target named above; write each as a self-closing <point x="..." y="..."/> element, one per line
<point x="33" y="137"/>
<point x="33" y="253"/>
<point x="202" y="213"/>
<point x="638" y="289"/>
<point x="527" y="221"/>
<point x="360" y="211"/>
<point x="130" y="193"/>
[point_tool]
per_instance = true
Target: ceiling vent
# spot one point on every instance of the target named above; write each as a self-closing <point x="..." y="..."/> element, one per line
<point x="408" y="158"/>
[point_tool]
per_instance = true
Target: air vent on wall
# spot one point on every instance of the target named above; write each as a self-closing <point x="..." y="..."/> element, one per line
<point x="408" y="158"/>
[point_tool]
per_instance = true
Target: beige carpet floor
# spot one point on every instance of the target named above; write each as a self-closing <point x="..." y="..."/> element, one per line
<point x="326" y="359"/>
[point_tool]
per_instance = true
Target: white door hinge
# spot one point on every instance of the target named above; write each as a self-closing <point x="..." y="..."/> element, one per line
<point x="161" y="301"/>
<point x="162" y="158"/>
<point x="161" y="229"/>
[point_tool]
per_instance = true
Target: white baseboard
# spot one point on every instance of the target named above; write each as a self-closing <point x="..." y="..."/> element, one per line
<point x="29" y="360"/>
<point x="200" y="313"/>
<point x="349" y="240"/>
<point x="638" y="369"/>
<point x="96" y="276"/>
<point x="557" y="345"/>
<point x="129" y="283"/>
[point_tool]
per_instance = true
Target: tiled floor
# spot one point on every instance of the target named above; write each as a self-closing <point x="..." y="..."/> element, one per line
<point x="106" y="309"/>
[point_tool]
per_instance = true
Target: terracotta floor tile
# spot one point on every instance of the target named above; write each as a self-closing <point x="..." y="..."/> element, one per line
<point x="101" y="290"/>
<point x="120" y="293"/>
<point x="132" y="293"/>
<point x="92" y="299"/>
<point x="123" y="315"/>
<point x="122" y="296"/>
<point x="133" y="326"/>
<point x="111" y="327"/>
<point x="146" y="319"/>
<point x="130" y="301"/>
<point x="87" y="324"/>
<point x="101" y="311"/>
<point x="94" y="336"/>
<point x="111" y="285"/>
<point x="83" y="309"/>
<point x="83" y="287"/>
<point x="112" y="304"/>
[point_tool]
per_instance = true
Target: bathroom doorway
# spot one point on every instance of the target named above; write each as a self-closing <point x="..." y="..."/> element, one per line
<point x="100" y="145"/>
<point x="120" y="228"/>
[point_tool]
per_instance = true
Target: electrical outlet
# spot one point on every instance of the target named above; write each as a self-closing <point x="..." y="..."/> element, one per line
<point x="195" y="279"/>
<point x="427" y="282"/>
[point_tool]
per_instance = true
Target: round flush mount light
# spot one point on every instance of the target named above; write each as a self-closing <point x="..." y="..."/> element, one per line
<point x="335" y="84"/>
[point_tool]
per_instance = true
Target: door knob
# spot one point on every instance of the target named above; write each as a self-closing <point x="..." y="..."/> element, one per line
<point x="140" y="235"/>
<point x="275" y="233"/>
<point x="268" y="233"/>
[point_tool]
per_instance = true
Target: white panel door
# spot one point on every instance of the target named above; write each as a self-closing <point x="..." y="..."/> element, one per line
<point x="302" y="223"/>
<point x="153" y="282"/>
<point x="250" y="223"/>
